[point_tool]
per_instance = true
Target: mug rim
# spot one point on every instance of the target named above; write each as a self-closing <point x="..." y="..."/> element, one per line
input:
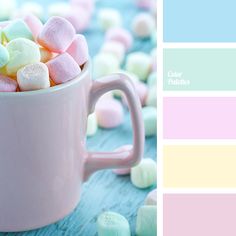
<point x="50" y="89"/>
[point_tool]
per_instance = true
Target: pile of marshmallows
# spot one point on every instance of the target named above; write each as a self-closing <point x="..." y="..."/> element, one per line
<point x="115" y="54"/>
<point x="35" y="56"/>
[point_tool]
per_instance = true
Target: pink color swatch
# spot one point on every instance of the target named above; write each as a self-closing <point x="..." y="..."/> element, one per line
<point x="199" y="118"/>
<point x="199" y="215"/>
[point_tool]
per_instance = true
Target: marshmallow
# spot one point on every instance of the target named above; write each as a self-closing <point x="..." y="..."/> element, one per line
<point x="150" y="120"/>
<point x="123" y="171"/>
<point x="104" y="64"/>
<point x="45" y="55"/>
<point x="6" y="9"/>
<point x="151" y="198"/>
<point x="7" y="84"/>
<point x="139" y="63"/>
<point x="17" y="29"/>
<point x="79" y="18"/>
<point x="59" y="9"/>
<point x="33" y="8"/>
<point x="144" y="174"/>
<point x="109" y="113"/>
<point x="146" y="224"/>
<point x="88" y="5"/>
<point x="33" y="77"/>
<point x="143" y="25"/>
<point x="109" y="18"/>
<point x="115" y="48"/>
<point x="22" y="52"/>
<point x="111" y="223"/>
<point x="152" y="80"/>
<point x="63" y="68"/>
<point x="4" y="56"/>
<point x="79" y="49"/>
<point x="141" y="90"/>
<point x="145" y="4"/>
<point x="57" y="34"/>
<point x="92" y="125"/>
<point x="151" y="99"/>
<point x="34" y="24"/>
<point x="120" y="35"/>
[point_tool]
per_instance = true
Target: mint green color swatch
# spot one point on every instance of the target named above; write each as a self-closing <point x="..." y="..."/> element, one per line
<point x="199" y="70"/>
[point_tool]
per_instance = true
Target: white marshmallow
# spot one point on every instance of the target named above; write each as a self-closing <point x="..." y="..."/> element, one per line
<point x="7" y="8"/>
<point x="33" y="77"/>
<point x="115" y="48"/>
<point x="143" y="25"/>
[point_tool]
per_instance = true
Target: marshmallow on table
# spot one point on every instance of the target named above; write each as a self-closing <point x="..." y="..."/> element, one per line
<point x="150" y="120"/>
<point x="57" y="34"/>
<point x="33" y="77"/>
<point x="92" y="125"/>
<point x="109" y="18"/>
<point x="17" y="29"/>
<point x="143" y="25"/>
<point x="59" y="9"/>
<point x="111" y="223"/>
<point x="63" y="68"/>
<point x="146" y="224"/>
<point x="7" y="84"/>
<point x="34" y="24"/>
<point x="151" y="99"/>
<point x="115" y="48"/>
<point x="78" y="17"/>
<point x="152" y="80"/>
<point x="120" y="35"/>
<point x="33" y="8"/>
<point x="123" y="171"/>
<point x="104" y="64"/>
<point x="109" y="113"/>
<point x="144" y="174"/>
<point x="88" y="5"/>
<point x="22" y="52"/>
<point x="4" y="56"/>
<point x="6" y="9"/>
<point x="79" y="49"/>
<point x="45" y="55"/>
<point x="139" y="63"/>
<point x="151" y="198"/>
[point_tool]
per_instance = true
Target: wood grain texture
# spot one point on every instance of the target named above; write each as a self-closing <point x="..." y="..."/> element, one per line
<point x="104" y="190"/>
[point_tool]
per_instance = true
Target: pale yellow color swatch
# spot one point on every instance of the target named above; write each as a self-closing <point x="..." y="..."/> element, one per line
<point x="199" y="166"/>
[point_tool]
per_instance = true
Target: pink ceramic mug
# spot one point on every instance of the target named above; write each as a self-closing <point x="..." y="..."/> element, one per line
<point x="43" y="156"/>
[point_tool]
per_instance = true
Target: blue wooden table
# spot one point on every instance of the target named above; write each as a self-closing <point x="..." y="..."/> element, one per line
<point x="104" y="191"/>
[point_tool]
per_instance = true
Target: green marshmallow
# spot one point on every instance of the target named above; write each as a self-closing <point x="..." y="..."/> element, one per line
<point x="152" y="80"/>
<point x="144" y="174"/>
<point x="22" y="52"/>
<point x="150" y="120"/>
<point x="4" y="56"/>
<point x="92" y="125"/>
<point x="139" y="63"/>
<point x="151" y="99"/>
<point x="146" y="224"/>
<point x="105" y="64"/>
<point x="112" y="224"/>
<point x="17" y="29"/>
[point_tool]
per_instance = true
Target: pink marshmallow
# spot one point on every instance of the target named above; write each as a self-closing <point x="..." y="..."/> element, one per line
<point x="79" y="18"/>
<point x="57" y="34"/>
<point x="88" y="5"/>
<point x="79" y="49"/>
<point x="142" y="91"/>
<point x="7" y="84"/>
<point x="63" y="68"/>
<point x="120" y="35"/>
<point x="123" y="171"/>
<point x="34" y="24"/>
<point x="109" y="113"/>
<point x="145" y="4"/>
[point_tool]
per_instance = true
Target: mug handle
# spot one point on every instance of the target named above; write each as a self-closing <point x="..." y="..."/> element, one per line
<point x="117" y="159"/>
